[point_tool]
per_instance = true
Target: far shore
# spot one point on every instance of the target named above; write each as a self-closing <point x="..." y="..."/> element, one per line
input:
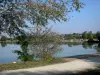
<point x="70" y="40"/>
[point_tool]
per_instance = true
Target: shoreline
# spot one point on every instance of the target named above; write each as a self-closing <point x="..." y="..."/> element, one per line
<point x="71" y="66"/>
<point x="59" y="61"/>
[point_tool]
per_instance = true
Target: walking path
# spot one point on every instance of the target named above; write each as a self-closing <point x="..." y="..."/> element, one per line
<point x="72" y="66"/>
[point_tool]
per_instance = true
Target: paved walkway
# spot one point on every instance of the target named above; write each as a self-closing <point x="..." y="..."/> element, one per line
<point x="72" y="66"/>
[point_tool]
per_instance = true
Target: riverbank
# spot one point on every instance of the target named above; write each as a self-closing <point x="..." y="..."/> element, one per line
<point x="63" y="41"/>
<point x="95" y="58"/>
<point x="32" y="64"/>
<point x="75" y="66"/>
<point x="62" y="66"/>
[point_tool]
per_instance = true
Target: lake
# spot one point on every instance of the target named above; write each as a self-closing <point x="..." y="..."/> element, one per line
<point x="7" y="54"/>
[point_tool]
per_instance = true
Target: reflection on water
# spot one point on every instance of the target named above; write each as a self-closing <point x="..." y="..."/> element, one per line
<point x="3" y="44"/>
<point x="97" y="47"/>
<point x="29" y="52"/>
<point x="88" y="45"/>
<point x="85" y="45"/>
<point x="41" y="51"/>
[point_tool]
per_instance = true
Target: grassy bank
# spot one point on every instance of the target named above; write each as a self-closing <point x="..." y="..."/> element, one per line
<point x="29" y="64"/>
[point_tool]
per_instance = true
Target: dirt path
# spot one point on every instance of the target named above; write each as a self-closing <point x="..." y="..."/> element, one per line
<point x="72" y="66"/>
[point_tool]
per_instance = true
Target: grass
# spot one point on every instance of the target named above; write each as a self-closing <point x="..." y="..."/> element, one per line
<point x="29" y="64"/>
<point x="32" y="64"/>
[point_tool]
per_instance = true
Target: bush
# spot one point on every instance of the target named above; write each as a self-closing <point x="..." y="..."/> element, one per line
<point x="3" y="38"/>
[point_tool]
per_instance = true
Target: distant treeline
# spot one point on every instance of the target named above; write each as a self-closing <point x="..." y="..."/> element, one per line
<point x="85" y="35"/>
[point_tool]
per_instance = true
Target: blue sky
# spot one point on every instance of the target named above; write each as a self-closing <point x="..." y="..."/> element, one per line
<point x="86" y="20"/>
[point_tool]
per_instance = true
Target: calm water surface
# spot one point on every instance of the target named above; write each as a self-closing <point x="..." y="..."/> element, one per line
<point x="7" y="54"/>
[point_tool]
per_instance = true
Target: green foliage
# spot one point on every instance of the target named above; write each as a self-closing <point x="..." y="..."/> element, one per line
<point x="90" y="35"/>
<point x="84" y="35"/>
<point x="22" y="38"/>
<point x="72" y="36"/>
<point x="11" y="17"/>
<point x="3" y="38"/>
<point x="23" y="57"/>
<point x="98" y="35"/>
<point x="23" y="53"/>
<point x="69" y="36"/>
<point x="14" y="13"/>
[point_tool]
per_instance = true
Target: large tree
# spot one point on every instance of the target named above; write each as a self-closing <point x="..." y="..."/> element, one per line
<point x="14" y="13"/>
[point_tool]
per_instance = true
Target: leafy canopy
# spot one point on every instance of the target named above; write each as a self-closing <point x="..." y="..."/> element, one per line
<point x="14" y="13"/>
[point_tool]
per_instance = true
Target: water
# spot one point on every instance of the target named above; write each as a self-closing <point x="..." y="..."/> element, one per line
<point x="7" y="54"/>
<point x="75" y="50"/>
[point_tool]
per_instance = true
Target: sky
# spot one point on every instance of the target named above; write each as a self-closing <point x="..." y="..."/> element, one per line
<point x="86" y="20"/>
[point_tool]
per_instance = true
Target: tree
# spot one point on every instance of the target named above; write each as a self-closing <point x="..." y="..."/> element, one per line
<point x="84" y="35"/>
<point x="14" y="13"/>
<point x="23" y="53"/>
<point x="90" y="35"/>
<point x="3" y="38"/>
